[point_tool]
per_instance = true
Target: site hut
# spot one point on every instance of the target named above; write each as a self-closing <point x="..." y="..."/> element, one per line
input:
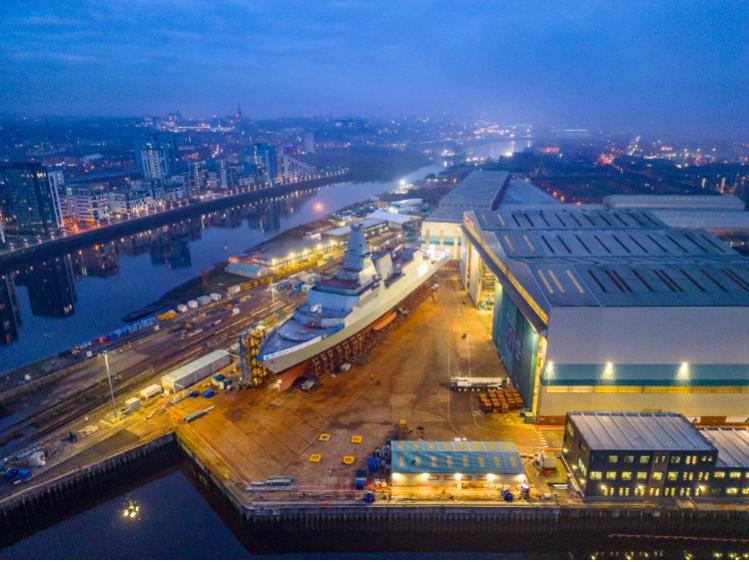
<point x="455" y="465"/>
<point x="636" y="455"/>
<point x="730" y="477"/>
<point x="611" y="310"/>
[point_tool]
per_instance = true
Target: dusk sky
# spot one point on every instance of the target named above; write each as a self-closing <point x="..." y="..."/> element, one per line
<point x="676" y="67"/>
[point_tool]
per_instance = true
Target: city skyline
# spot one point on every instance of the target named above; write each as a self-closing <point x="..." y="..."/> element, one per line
<point x="671" y="68"/>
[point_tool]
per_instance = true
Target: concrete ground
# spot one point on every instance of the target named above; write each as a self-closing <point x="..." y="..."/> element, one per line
<point x="253" y="434"/>
<point x="259" y="433"/>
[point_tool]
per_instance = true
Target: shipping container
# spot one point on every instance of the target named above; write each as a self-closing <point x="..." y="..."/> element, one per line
<point x="234" y="289"/>
<point x="150" y="391"/>
<point x="192" y="304"/>
<point x="132" y="404"/>
<point x="182" y="308"/>
<point x="191" y="373"/>
<point x="203" y="300"/>
<point x="215" y="297"/>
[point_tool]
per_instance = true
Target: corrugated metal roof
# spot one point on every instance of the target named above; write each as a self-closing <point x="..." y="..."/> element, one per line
<point x="732" y="445"/>
<point x="727" y="202"/>
<point x="193" y="366"/>
<point x="465" y="457"/>
<point x="479" y="190"/>
<point x="592" y="256"/>
<point x="638" y="431"/>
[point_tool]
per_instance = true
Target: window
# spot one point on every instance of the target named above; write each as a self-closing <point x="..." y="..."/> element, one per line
<point x="687" y="476"/>
<point x="734" y="474"/>
<point x="644" y="459"/>
<point x="611" y="475"/>
<point x="703" y="476"/>
<point x="673" y="476"/>
<point x="732" y="491"/>
<point x="719" y="474"/>
<point x="570" y="429"/>
<point x="675" y="459"/>
<point x="629" y="459"/>
<point x="626" y="475"/>
<point x="745" y="491"/>
<point x="658" y="476"/>
<point x="613" y="459"/>
<point x="595" y="475"/>
<point x="642" y="475"/>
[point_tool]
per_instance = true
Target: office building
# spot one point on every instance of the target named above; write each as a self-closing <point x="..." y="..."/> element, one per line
<point x="156" y="159"/>
<point x="654" y="455"/>
<point x="86" y="203"/>
<point x="637" y="455"/>
<point x="30" y="201"/>
<point x="265" y="160"/>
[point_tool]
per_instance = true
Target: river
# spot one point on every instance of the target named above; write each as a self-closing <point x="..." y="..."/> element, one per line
<point x="74" y="298"/>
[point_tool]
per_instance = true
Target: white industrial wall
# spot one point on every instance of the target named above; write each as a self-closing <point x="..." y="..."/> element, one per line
<point x="694" y="405"/>
<point x="649" y="335"/>
<point x="443" y="231"/>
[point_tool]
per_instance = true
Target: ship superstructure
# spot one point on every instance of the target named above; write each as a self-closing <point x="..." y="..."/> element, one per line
<point x="364" y="288"/>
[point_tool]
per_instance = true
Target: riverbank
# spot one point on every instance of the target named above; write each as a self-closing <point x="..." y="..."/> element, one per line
<point x="313" y="526"/>
<point x="218" y="279"/>
<point x="15" y="258"/>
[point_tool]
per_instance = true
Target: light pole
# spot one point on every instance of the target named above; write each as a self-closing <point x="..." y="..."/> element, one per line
<point x="111" y="389"/>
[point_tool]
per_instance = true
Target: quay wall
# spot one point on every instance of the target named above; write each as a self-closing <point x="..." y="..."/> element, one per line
<point x="274" y="526"/>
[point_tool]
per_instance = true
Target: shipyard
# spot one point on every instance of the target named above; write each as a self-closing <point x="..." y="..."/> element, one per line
<point x="308" y="385"/>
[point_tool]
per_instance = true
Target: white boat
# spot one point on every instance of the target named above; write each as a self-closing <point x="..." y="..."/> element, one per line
<point x="365" y="287"/>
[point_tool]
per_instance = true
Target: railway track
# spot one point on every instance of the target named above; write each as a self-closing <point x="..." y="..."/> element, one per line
<point x="70" y="408"/>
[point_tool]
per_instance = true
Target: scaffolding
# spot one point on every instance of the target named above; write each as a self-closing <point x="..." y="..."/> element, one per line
<point x="254" y="372"/>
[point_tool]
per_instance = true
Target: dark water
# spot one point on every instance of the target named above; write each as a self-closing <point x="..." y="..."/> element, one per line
<point x="179" y="518"/>
<point x="75" y="298"/>
<point x="174" y="521"/>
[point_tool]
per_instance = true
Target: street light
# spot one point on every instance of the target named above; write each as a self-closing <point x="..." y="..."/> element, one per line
<point x="111" y="389"/>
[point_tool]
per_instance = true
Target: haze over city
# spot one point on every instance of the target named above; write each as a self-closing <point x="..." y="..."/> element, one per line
<point x="661" y="67"/>
<point x="381" y="279"/>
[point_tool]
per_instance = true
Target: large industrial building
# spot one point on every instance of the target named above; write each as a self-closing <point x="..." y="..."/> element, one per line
<point x="606" y="307"/>
<point x="481" y="190"/>
<point x="610" y="309"/>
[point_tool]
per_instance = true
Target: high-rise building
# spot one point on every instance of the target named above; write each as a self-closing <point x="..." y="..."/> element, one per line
<point x="156" y="159"/>
<point x="29" y="199"/>
<point x="265" y="158"/>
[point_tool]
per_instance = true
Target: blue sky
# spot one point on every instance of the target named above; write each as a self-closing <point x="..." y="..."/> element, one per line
<point x="656" y="65"/>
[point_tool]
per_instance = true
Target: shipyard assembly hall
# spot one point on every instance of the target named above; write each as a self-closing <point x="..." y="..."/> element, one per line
<point x="605" y="307"/>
